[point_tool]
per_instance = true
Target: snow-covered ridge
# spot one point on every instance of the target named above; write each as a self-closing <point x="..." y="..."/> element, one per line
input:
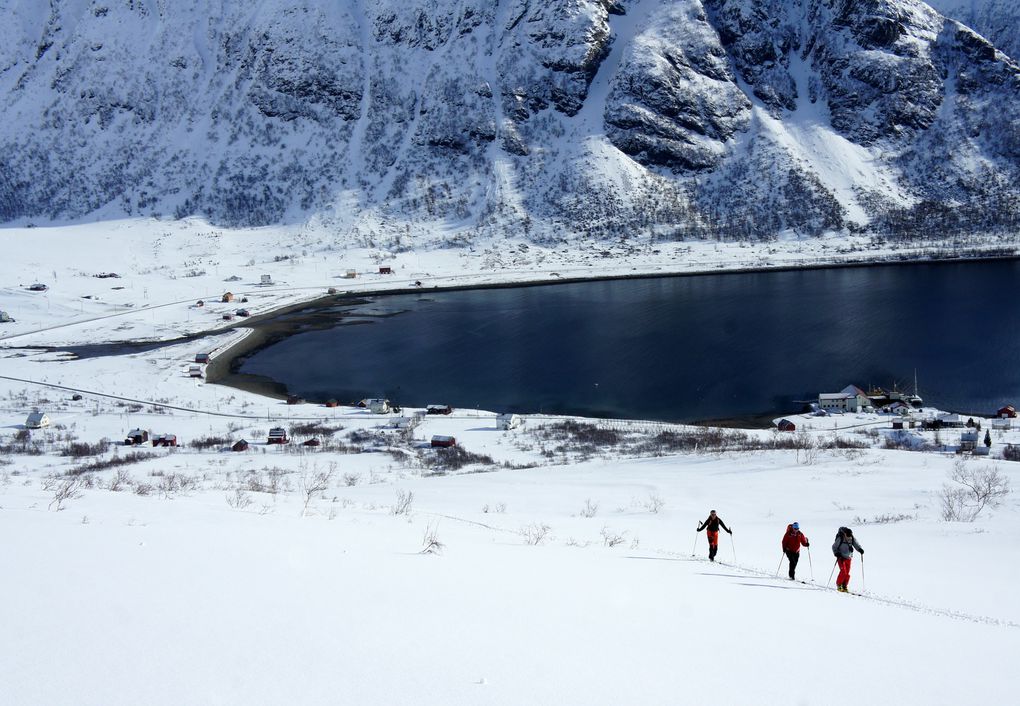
<point x="454" y="120"/>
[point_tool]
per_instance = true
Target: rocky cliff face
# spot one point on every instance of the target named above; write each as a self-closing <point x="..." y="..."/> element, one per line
<point x="580" y="118"/>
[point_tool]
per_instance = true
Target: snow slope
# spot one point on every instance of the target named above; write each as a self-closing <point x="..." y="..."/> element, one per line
<point x="185" y="598"/>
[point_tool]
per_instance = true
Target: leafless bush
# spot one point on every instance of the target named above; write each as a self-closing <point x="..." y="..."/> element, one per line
<point x="82" y="449"/>
<point x="172" y="483"/>
<point x="405" y="499"/>
<point x="452" y="459"/>
<point x="590" y="509"/>
<point x="314" y="429"/>
<point x="315" y="483"/>
<point x="430" y="542"/>
<point x="143" y="488"/>
<point x="654" y="503"/>
<point x="112" y="462"/>
<point x="1011" y="452"/>
<point x="271" y="482"/>
<point x="351" y="479"/>
<point x="884" y="519"/>
<point x="612" y="539"/>
<point x="534" y="534"/>
<point x="976" y="488"/>
<point x="498" y="508"/>
<point x="21" y="443"/>
<point x="239" y="499"/>
<point x="807" y="450"/>
<point x="119" y="480"/>
<point x="840" y="442"/>
<point x="209" y="442"/>
<point x="66" y="489"/>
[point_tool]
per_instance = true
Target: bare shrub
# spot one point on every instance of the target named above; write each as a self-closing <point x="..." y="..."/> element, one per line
<point x="120" y="479"/>
<point x="272" y="482"/>
<point x="654" y="503"/>
<point x="66" y="490"/>
<point x="976" y="488"/>
<point x="840" y="442"/>
<point x="239" y="499"/>
<point x="497" y="508"/>
<point x="534" y="534"/>
<point x="172" y="483"/>
<point x="405" y="499"/>
<point x="315" y="483"/>
<point x="611" y="538"/>
<point x="430" y="541"/>
<point x="453" y="459"/>
<point x="1011" y="452"/>
<point x="143" y="489"/>
<point x="83" y="449"/>
<point x="314" y="429"/>
<point x="351" y="479"/>
<point x="807" y="450"/>
<point x="112" y="462"/>
<point x="590" y="509"/>
<point x="209" y="442"/>
<point x="884" y="519"/>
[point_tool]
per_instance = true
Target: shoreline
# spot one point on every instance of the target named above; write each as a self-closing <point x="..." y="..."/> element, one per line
<point x="223" y="366"/>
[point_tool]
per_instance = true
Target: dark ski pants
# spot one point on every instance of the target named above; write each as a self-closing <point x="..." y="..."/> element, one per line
<point x="794" y="557"/>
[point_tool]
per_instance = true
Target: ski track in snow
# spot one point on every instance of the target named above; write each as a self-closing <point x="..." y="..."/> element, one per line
<point x="894" y="602"/>
<point x="761" y="574"/>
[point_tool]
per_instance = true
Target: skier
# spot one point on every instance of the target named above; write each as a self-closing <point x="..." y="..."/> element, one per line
<point x="712" y="524"/>
<point x="792" y="541"/>
<point x="843" y="550"/>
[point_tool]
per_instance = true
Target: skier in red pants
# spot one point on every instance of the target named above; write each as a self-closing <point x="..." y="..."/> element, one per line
<point x="843" y="550"/>
<point x="712" y="524"/>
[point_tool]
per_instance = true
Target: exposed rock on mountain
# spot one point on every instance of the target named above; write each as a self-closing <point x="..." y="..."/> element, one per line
<point x="450" y="120"/>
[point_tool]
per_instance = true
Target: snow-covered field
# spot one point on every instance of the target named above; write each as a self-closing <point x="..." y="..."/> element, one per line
<point x="566" y="574"/>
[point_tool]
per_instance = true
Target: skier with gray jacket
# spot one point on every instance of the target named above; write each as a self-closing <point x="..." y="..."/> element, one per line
<point x="843" y="550"/>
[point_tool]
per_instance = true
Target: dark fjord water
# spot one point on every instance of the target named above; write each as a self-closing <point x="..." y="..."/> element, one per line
<point x="685" y="348"/>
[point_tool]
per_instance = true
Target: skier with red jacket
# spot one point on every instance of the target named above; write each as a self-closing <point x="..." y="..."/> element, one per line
<point x="793" y="540"/>
<point x="712" y="524"/>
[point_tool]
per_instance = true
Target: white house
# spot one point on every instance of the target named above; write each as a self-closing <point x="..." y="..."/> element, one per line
<point x="850" y="399"/>
<point x="37" y="420"/>
<point x="505" y="422"/>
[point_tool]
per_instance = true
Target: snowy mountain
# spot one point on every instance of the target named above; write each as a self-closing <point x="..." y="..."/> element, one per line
<point x="996" y="20"/>
<point x="581" y="118"/>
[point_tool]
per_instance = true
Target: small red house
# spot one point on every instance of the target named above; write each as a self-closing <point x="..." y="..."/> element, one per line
<point x="165" y="440"/>
<point x="439" y="409"/>
<point x="241" y="445"/>
<point x="332" y="403"/>
<point x="277" y="435"/>
<point x="443" y="442"/>
<point x="386" y="270"/>
<point x="136" y="437"/>
<point x="786" y="425"/>
<point x="1007" y="412"/>
<point x="295" y="399"/>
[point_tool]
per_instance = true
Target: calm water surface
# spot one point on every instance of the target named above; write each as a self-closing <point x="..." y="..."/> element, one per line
<point x="685" y="348"/>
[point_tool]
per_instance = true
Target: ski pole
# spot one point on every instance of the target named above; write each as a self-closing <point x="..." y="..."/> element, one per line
<point x="831" y="573"/>
<point x="862" y="572"/>
<point x="780" y="564"/>
<point x="694" y="548"/>
<point x="733" y="547"/>
<point x="810" y="565"/>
